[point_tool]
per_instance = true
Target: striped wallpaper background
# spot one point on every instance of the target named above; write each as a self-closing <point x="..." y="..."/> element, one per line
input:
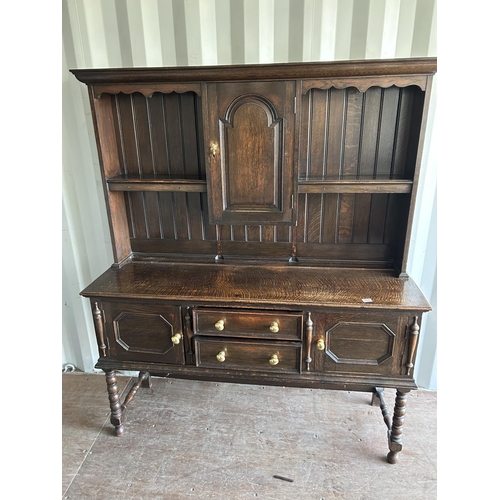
<point x="126" y="33"/>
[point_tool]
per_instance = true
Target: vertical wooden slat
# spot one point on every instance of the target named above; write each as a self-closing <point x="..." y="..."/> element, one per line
<point x="253" y="233"/>
<point x="350" y="164"/>
<point x="199" y="137"/>
<point x="238" y="233"/>
<point x="194" y="209"/>
<point x="368" y="153"/>
<point x="361" y="218"/>
<point x="267" y="234"/>
<point x="188" y="123"/>
<point x="208" y="229"/>
<point x="403" y="130"/>
<point x="126" y="141"/>
<point x="301" y="217"/>
<point x="352" y="132"/>
<point x="167" y="215"/>
<point x="317" y="137"/>
<point x="282" y="234"/>
<point x="336" y="130"/>
<point x="345" y="218"/>
<point x="225" y="232"/>
<point x="173" y="130"/>
<point x="393" y="217"/>
<point x="377" y="218"/>
<point x="146" y="161"/>
<point x="329" y="219"/>
<point x="390" y="103"/>
<point x="313" y="225"/>
<point x="159" y="144"/>
<point x="305" y="134"/>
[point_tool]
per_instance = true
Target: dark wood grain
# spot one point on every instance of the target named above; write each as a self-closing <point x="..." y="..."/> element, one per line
<point x="259" y="284"/>
<point x="363" y="68"/>
<point x="251" y="126"/>
<point x="143" y="331"/>
<point x="247" y="324"/>
<point x="252" y="356"/>
<point x="261" y="219"/>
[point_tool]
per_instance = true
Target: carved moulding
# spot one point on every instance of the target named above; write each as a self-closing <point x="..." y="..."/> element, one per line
<point x="147" y="90"/>
<point x="363" y="84"/>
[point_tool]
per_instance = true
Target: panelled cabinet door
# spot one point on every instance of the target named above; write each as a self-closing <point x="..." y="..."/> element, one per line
<point x="249" y="136"/>
<point x="144" y="332"/>
<point x="364" y="343"/>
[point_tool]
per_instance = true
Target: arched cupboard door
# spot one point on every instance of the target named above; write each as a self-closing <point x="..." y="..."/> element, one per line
<point x="249" y="140"/>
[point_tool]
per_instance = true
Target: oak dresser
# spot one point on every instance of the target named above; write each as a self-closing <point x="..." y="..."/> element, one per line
<point x="260" y="218"/>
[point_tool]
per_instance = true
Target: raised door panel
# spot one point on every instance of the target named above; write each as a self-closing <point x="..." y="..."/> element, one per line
<point x="365" y="343"/>
<point x="250" y="138"/>
<point x="144" y="332"/>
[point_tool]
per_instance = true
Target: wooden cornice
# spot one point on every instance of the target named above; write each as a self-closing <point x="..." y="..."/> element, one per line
<point x="281" y="71"/>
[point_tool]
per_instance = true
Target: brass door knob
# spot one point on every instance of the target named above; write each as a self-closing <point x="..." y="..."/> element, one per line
<point x="214" y="147"/>
<point x="221" y="356"/>
<point x="320" y="345"/>
<point x="176" y="339"/>
<point x="274" y="360"/>
<point x="274" y="327"/>
<point x="220" y="325"/>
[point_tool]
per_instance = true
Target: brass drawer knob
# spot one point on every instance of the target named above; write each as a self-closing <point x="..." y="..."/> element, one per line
<point x="274" y="327"/>
<point x="320" y="345"/>
<point x="220" y="325"/>
<point x="221" y="356"/>
<point x="176" y="339"/>
<point x="274" y="360"/>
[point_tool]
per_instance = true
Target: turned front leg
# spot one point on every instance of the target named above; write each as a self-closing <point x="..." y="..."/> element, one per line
<point x="114" y="402"/>
<point x="396" y="431"/>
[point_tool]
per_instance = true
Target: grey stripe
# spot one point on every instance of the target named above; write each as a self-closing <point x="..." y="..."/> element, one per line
<point x="359" y="28"/>
<point x="179" y="16"/>
<point x="422" y="28"/>
<point x="237" y="32"/>
<point x="296" y="30"/>
<point x="124" y="33"/>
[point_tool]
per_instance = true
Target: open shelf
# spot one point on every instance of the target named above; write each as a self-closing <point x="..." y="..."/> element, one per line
<point x="124" y="182"/>
<point x="355" y="186"/>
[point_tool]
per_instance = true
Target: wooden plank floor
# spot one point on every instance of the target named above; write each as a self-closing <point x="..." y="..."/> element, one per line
<point x="203" y="440"/>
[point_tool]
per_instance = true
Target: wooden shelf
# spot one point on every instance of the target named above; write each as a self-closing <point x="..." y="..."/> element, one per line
<point x="156" y="183"/>
<point x="355" y="186"/>
<point x="165" y="183"/>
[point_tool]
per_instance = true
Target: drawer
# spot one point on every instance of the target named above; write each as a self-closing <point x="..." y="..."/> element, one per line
<point x="241" y="355"/>
<point x="248" y="324"/>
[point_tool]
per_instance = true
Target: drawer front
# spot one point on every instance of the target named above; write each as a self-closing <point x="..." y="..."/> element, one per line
<point x="248" y="324"/>
<point x="143" y="332"/>
<point x="241" y="355"/>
